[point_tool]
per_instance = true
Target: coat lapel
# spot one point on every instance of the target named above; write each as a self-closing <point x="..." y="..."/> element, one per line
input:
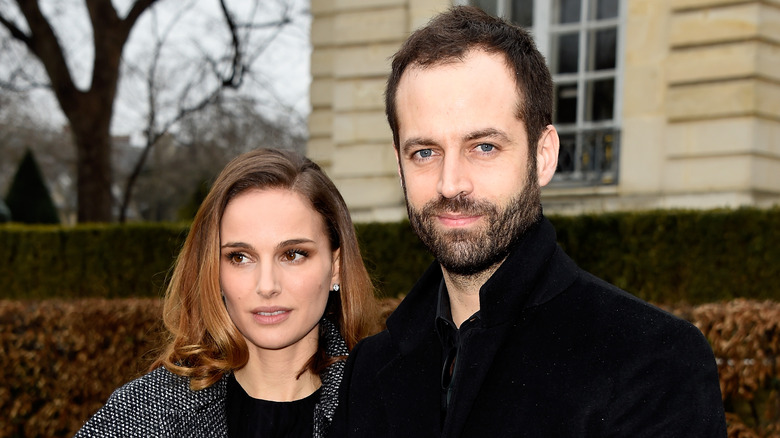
<point x="534" y="272"/>
<point x="411" y="381"/>
<point x="412" y="391"/>
<point x="482" y="346"/>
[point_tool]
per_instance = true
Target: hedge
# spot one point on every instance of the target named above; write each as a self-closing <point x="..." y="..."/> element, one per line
<point x="661" y="256"/>
<point x="671" y="256"/>
<point x="61" y="359"/>
<point x="94" y="260"/>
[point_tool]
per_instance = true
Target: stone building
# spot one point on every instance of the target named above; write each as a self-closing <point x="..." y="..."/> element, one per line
<point x="659" y="103"/>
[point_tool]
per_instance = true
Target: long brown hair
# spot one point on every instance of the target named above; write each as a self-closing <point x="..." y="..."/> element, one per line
<point x="203" y="342"/>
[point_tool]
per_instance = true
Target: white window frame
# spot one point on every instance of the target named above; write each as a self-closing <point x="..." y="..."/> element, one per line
<point x="542" y="31"/>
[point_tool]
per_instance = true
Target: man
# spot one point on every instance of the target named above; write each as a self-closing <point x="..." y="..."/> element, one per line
<point x="504" y="335"/>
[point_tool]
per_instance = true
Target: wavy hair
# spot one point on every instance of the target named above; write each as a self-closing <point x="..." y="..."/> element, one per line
<point x="203" y="343"/>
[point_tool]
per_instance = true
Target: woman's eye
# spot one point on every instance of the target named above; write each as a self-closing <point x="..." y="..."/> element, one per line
<point x="293" y="255"/>
<point x="237" y="258"/>
<point x="484" y="147"/>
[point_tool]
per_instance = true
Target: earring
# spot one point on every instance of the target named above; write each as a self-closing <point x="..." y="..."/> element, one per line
<point x="336" y="287"/>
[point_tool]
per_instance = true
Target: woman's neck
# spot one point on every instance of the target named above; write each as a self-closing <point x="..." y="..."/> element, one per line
<point x="273" y="374"/>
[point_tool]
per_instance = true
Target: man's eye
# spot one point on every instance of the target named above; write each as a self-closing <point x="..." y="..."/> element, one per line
<point x="484" y="147"/>
<point x="424" y="153"/>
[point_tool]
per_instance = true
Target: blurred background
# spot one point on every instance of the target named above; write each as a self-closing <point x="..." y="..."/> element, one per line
<point x="116" y="116"/>
<point x="131" y="130"/>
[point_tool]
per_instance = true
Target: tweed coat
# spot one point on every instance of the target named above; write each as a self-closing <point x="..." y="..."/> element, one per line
<point x="161" y="404"/>
<point x="559" y="353"/>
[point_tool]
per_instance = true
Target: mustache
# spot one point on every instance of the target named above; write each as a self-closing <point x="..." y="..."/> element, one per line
<point x="459" y="204"/>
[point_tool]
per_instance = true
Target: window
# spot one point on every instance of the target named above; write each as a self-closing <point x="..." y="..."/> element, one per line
<point x="581" y="40"/>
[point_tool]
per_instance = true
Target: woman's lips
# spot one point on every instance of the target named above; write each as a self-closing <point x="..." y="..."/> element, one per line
<point x="271" y="315"/>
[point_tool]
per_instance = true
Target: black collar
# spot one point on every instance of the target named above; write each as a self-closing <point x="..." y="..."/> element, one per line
<point x="535" y="271"/>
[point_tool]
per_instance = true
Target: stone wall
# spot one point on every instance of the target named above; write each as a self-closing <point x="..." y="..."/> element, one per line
<point x="353" y="41"/>
<point x="700" y="120"/>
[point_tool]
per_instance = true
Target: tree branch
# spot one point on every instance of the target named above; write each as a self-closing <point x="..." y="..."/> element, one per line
<point x="237" y="70"/>
<point x="43" y="42"/>
<point x="138" y="8"/>
<point x="15" y="31"/>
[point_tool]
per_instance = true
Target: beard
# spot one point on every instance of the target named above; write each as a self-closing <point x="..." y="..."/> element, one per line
<point x="469" y="252"/>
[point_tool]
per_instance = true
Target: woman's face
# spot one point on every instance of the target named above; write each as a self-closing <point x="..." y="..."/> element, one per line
<point x="276" y="269"/>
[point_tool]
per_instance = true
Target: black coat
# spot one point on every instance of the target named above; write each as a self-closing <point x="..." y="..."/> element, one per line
<point x="560" y="354"/>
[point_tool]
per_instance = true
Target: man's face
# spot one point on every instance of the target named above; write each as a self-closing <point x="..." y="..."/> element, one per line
<point x="471" y="189"/>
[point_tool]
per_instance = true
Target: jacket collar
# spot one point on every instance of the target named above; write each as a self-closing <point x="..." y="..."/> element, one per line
<point x="331" y="377"/>
<point x="525" y="279"/>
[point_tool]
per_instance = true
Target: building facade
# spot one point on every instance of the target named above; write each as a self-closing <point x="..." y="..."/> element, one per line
<point x="659" y="103"/>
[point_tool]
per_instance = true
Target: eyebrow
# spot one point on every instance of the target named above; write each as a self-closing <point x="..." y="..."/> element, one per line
<point x="471" y="136"/>
<point x="417" y="141"/>
<point x="486" y="133"/>
<point x="293" y="242"/>
<point x="283" y="244"/>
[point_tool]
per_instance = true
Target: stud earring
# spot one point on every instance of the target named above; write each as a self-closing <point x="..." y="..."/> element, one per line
<point x="336" y="287"/>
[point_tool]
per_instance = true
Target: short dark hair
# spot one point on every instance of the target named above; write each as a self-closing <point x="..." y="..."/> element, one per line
<point x="451" y="35"/>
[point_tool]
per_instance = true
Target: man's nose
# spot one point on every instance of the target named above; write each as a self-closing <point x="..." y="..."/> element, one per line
<point x="454" y="179"/>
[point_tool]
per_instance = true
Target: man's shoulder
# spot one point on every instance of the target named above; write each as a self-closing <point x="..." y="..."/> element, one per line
<point x="376" y="347"/>
<point x="621" y="316"/>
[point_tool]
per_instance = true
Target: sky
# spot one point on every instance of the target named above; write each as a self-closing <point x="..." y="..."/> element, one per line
<point x="280" y="76"/>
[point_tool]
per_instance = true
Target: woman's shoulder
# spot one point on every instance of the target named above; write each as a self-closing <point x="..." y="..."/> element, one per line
<point x="149" y="402"/>
<point x="162" y="386"/>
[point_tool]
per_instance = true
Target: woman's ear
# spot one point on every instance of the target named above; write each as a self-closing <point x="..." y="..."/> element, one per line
<point x="336" y="267"/>
<point x="547" y="155"/>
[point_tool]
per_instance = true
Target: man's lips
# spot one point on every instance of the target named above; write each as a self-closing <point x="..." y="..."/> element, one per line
<point x="457" y="220"/>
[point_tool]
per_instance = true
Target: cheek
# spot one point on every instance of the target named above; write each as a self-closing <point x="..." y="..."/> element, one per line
<point x="421" y="187"/>
<point x="315" y="287"/>
<point x="235" y="285"/>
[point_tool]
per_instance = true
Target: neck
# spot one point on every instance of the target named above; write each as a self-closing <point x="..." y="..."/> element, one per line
<point x="273" y="374"/>
<point x="463" y="291"/>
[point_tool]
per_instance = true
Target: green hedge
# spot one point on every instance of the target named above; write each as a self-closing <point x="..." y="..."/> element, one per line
<point x="672" y="256"/>
<point x="111" y="261"/>
<point x="393" y="255"/>
<point x="661" y="256"/>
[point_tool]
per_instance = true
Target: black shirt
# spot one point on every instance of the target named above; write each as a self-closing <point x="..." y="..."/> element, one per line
<point x="451" y="341"/>
<point x="251" y="417"/>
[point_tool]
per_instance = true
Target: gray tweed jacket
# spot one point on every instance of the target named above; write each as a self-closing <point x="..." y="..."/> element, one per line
<point x="161" y="404"/>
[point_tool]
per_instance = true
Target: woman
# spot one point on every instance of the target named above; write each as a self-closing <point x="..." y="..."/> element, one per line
<point x="266" y="298"/>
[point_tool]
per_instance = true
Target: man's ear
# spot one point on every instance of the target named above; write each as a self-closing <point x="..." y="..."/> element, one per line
<point x="397" y="160"/>
<point x="547" y="155"/>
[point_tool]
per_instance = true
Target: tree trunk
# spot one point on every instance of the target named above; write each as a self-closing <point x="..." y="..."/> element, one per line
<point x="93" y="184"/>
<point x="89" y="112"/>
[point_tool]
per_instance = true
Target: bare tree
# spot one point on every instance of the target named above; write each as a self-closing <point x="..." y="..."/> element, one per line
<point x="89" y="111"/>
<point x="193" y="155"/>
<point x="191" y="97"/>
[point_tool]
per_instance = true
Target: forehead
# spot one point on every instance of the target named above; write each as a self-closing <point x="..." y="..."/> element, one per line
<point x="474" y="90"/>
<point x="275" y="214"/>
<point x="474" y="62"/>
